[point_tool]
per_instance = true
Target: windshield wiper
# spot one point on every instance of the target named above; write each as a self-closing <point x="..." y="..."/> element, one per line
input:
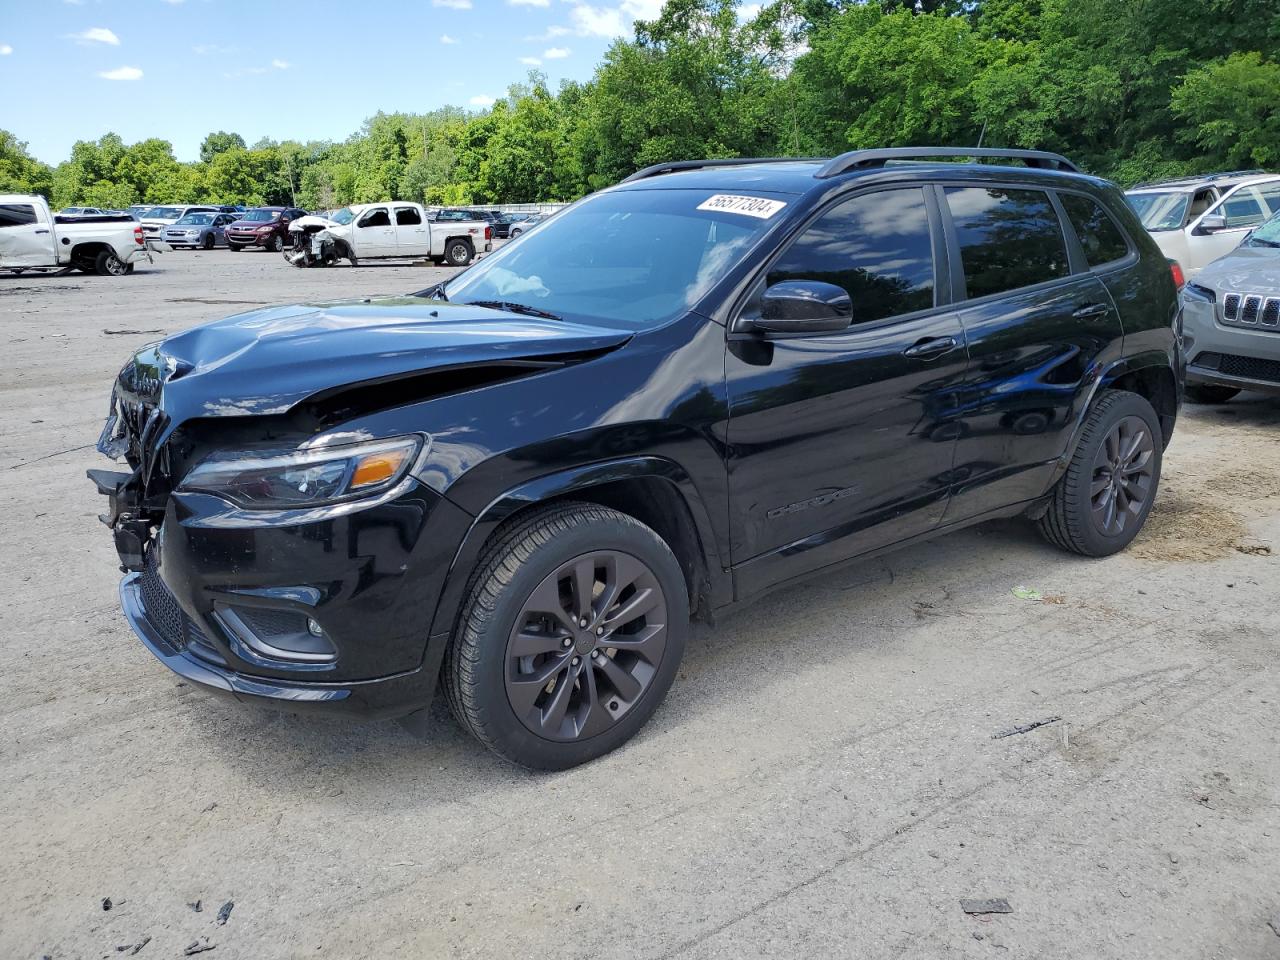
<point x="512" y="307"/>
<point x="432" y="293"/>
<point x="1265" y="243"/>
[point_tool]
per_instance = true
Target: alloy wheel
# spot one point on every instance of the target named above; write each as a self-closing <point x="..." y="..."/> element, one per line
<point x="1122" y="476"/>
<point x="586" y="646"/>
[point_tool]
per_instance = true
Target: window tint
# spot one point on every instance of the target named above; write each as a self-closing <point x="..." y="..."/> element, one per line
<point x="16" y="214"/>
<point x="407" y="217"/>
<point x="1270" y="195"/>
<point x="1101" y="238"/>
<point x="375" y="218"/>
<point x="1008" y="238"/>
<point x="1241" y="209"/>
<point x="877" y="247"/>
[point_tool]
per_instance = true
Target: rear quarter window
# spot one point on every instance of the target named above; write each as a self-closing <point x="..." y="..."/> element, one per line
<point x="1008" y="238"/>
<point x="1102" y="240"/>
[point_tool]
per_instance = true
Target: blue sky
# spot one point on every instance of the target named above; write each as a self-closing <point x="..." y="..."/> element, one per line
<point x="313" y="69"/>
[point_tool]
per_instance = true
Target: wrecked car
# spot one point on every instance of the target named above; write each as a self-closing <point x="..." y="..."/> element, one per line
<point x="377" y="231"/>
<point x="710" y="380"/>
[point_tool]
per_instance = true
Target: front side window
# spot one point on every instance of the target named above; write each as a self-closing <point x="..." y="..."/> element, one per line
<point x="1098" y="234"/>
<point x="1008" y="238"/>
<point x="407" y="217"/>
<point x="878" y="247"/>
<point x="16" y="214"/>
<point x="375" y="218"/>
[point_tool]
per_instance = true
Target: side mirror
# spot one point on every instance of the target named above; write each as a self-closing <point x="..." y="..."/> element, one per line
<point x="804" y="306"/>
<point x="1212" y="223"/>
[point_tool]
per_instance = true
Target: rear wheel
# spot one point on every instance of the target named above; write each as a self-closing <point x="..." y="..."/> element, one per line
<point x="515" y="232"/>
<point x="1104" y="498"/>
<point x="208" y="241"/>
<point x="107" y="264"/>
<point x="457" y="253"/>
<point x="570" y="637"/>
<point x="1210" y="393"/>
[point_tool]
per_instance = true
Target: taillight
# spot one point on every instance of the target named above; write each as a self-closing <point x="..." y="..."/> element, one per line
<point x="488" y="233"/>
<point x="137" y="235"/>
<point x="1179" y="278"/>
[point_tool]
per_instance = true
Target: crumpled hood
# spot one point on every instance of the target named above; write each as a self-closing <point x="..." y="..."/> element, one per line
<point x="1244" y="270"/>
<point x="266" y="361"/>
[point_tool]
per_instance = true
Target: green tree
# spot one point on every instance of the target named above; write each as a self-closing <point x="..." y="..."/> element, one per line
<point x="220" y="142"/>
<point x="19" y="171"/>
<point x="1232" y="109"/>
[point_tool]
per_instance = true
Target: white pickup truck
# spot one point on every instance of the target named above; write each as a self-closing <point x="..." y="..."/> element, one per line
<point x="382" y="231"/>
<point x="32" y="238"/>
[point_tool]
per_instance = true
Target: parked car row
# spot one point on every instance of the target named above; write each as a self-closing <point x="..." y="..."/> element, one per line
<point x="1224" y="230"/>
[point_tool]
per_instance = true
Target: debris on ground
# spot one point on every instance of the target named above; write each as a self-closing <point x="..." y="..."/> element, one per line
<point x="1026" y="593"/>
<point x="133" y="948"/>
<point x="197" y="906"/>
<point x="1274" y="924"/>
<point x="199" y="946"/>
<point x="106" y="903"/>
<point x="129" y="333"/>
<point x="1023" y="728"/>
<point x="991" y="905"/>
<point x="225" y="912"/>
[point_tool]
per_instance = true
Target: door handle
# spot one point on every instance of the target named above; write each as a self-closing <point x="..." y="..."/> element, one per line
<point x="42" y="231"/>
<point x="1089" y="311"/>
<point x="930" y="348"/>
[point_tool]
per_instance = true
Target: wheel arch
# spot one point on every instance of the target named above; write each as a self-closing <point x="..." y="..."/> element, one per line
<point x="654" y="490"/>
<point x="90" y="249"/>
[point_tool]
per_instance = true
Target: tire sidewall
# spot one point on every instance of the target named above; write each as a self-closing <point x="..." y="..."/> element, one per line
<point x="510" y="736"/>
<point x="458" y="261"/>
<point x="1096" y="542"/>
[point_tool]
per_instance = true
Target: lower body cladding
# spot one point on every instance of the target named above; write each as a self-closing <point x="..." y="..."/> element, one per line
<point x="331" y="615"/>
<point x="1242" y="352"/>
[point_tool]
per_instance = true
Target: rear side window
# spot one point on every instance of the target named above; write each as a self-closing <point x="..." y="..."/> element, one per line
<point x="16" y="214"/>
<point x="877" y="246"/>
<point x="1242" y="210"/>
<point x="1008" y="238"/>
<point x="407" y="217"/>
<point x="1098" y="234"/>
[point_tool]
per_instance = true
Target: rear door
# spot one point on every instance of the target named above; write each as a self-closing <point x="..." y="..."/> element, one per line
<point x="1039" y="324"/>
<point x="25" y="239"/>
<point x="839" y="443"/>
<point x="375" y="235"/>
<point x="413" y="237"/>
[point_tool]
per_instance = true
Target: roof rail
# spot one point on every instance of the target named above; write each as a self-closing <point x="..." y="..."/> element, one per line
<point x="856" y="159"/>
<point x="1199" y="177"/>
<point x="675" y="166"/>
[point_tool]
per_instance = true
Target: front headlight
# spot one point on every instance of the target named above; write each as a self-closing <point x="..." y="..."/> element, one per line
<point x="305" y="477"/>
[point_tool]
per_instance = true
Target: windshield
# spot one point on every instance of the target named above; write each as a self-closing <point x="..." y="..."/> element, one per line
<point x="636" y="257"/>
<point x="197" y="219"/>
<point x="1266" y="234"/>
<point x="1160" y="211"/>
<point x="261" y="216"/>
<point x="343" y="216"/>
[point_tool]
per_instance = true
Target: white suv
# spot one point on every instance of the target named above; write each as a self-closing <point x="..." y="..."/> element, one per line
<point x="1199" y="219"/>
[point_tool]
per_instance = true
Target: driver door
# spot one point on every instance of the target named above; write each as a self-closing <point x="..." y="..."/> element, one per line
<point x="842" y="443"/>
<point x="24" y="240"/>
<point x="374" y="234"/>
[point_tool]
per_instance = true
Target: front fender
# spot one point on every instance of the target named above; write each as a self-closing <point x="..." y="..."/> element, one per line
<point x="558" y="485"/>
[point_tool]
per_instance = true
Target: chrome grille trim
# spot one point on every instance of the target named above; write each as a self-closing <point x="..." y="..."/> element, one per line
<point x="1249" y="312"/>
<point x="1271" y="312"/>
<point x="1231" y="306"/>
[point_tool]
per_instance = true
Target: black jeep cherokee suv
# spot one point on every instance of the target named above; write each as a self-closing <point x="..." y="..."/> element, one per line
<point x="709" y="380"/>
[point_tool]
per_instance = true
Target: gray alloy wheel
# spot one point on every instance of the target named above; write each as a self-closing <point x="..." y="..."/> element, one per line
<point x="586" y="645"/>
<point x="1122" y="476"/>
<point x="208" y="241"/>
<point x="109" y="265"/>
<point x="277" y="244"/>
<point x="515" y="232"/>
<point x="458" y="253"/>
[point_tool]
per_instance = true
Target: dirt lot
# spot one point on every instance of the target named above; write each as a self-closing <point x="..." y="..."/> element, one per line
<point x="823" y="780"/>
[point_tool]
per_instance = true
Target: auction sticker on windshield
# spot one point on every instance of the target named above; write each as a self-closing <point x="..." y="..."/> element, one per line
<point x="747" y="206"/>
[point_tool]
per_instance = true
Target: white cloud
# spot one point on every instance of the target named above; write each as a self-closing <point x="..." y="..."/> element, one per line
<point x="5" y="49"/>
<point x="96" y="35"/>
<point x="643" y="9"/>
<point x="748" y="11"/>
<point x="556" y="53"/>
<point x="280" y="64"/>
<point x="122" y="73"/>
<point x="589" y="21"/>
<point x="482" y="101"/>
<point x="452" y="4"/>
<point x="527" y="61"/>
<point x="530" y="3"/>
<point x="445" y="38"/>
<point x="174" y="2"/>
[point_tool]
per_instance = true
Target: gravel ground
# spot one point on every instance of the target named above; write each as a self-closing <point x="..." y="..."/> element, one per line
<point x="823" y="780"/>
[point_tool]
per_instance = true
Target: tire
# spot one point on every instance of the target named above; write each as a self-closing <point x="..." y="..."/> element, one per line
<point x="107" y="264"/>
<point x="481" y="674"/>
<point x="1076" y="519"/>
<point x="457" y="253"/>
<point x="1210" y="393"/>
<point x="276" y="245"/>
<point x="233" y="247"/>
<point x="514" y="233"/>
<point x="208" y="241"/>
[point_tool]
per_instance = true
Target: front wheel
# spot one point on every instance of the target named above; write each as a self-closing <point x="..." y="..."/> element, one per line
<point x="1210" y="393"/>
<point x="208" y="241"/>
<point x="458" y="253"/>
<point x="1104" y="498"/>
<point x="107" y="264"/>
<point x="570" y="638"/>
<point x="233" y="247"/>
<point x="276" y="244"/>
<point x="515" y="232"/>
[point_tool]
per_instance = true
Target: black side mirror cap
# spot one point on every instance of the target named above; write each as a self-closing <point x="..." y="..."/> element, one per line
<point x="804" y="306"/>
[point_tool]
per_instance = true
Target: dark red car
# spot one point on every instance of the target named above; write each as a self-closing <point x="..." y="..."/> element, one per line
<point x="266" y="227"/>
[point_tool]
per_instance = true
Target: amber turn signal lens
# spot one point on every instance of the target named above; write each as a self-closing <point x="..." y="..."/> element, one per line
<point x="377" y="467"/>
